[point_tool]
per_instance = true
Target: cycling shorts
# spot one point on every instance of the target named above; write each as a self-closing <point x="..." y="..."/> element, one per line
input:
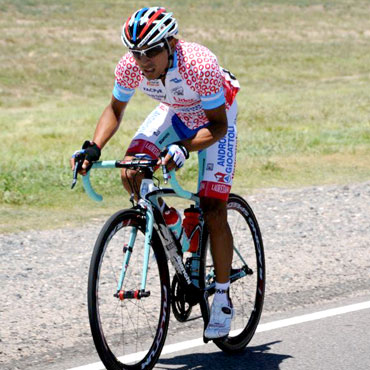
<point x="216" y="163"/>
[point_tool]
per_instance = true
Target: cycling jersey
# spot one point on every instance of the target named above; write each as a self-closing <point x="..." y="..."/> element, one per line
<point x="194" y="82"/>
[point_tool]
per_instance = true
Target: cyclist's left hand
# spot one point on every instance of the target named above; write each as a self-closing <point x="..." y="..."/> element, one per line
<point x="176" y="156"/>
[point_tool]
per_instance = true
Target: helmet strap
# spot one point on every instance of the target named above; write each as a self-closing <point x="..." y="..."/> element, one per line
<point x="170" y="58"/>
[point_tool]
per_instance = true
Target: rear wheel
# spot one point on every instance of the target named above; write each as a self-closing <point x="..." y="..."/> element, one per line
<point x="247" y="274"/>
<point x="128" y="322"/>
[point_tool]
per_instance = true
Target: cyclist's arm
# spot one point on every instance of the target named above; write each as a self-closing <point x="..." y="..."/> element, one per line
<point x="207" y="136"/>
<point x="109" y="122"/>
<point x="107" y="126"/>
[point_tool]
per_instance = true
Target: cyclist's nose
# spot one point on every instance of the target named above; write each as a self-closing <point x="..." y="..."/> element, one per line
<point x="145" y="60"/>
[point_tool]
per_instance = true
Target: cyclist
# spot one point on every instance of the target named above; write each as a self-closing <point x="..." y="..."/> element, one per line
<point x="197" y="112"/>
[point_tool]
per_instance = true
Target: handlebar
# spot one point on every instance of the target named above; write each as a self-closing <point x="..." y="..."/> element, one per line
<point x="133" y="164"/>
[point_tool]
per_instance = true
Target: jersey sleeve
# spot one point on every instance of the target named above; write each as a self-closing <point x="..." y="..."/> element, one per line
<point x="128" y="78"/>
<point x="208" y="80"/>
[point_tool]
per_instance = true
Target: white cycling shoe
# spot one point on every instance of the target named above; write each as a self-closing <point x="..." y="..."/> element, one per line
<point x="220" y="321"/>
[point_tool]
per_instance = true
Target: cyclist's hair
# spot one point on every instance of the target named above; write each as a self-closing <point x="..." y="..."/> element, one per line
<point x="148" y="26"/>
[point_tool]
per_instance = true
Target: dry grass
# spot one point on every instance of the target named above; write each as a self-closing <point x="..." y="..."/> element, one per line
<point x="304" y="105"/>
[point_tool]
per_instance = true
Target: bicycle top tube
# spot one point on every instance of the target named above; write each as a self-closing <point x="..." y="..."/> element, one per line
<point x="132" y="164"/>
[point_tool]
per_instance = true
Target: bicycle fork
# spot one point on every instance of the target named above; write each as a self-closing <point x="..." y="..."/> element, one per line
<point x="137" y="294"/>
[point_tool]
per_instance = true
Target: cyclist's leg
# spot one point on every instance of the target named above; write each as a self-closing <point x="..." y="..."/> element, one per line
<point x="216" y="172"/>
<point x="155" y="133"/>
<point x="217" y="164"/>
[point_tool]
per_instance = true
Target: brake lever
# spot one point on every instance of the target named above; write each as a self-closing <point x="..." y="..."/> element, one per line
<point x="79" y="159"/>
<point x="165" y="172"/>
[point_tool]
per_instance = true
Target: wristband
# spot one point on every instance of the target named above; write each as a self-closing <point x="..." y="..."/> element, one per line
<point x="183" y="149"/>
<point x="92" y="151"/>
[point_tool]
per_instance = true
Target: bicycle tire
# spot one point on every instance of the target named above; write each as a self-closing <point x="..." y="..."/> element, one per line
<point x="247" y="293"/>
<point x="122" y="327"/>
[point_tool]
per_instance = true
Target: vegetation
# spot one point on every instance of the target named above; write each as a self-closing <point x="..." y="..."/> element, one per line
<point x="304" y="105"/>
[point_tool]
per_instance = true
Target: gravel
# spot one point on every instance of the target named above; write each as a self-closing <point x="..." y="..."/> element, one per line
<point x="316" y="246"/>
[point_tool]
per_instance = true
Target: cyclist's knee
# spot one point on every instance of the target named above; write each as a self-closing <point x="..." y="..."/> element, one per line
<point x="131" y="179"/>
<point x="215" y="213"/>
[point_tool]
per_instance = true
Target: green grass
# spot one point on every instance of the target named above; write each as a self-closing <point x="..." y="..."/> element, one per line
<point x="304" y="105"/>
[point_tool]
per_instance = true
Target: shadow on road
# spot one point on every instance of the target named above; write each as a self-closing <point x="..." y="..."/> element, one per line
<point x="253" y="358"/>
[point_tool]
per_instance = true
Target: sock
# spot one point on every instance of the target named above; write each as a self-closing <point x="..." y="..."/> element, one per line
<point x="222" y="293"/>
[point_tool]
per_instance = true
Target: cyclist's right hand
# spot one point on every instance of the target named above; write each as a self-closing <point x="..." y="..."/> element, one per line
<point x="84" y="157"/>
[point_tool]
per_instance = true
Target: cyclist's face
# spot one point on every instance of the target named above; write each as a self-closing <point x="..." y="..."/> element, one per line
<point x="152" y="66"/>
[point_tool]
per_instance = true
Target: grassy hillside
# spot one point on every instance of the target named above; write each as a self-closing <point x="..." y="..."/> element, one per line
<point x="304" y="105"/>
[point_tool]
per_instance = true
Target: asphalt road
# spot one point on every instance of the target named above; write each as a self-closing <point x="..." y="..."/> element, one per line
<point x="317" y="257"/>
<point x="338" y="342"/>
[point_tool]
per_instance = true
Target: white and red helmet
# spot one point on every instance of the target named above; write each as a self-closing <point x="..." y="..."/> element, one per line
<point x="148" y="26"/>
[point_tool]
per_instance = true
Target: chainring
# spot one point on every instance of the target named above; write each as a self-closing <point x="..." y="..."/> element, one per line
<point x="180" y="307"/>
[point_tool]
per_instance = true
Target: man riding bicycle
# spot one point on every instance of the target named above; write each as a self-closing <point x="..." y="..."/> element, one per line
<point x="197" y="112"/>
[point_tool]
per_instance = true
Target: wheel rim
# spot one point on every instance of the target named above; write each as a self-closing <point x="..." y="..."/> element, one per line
<point x="129" y="326"/>
<point x="246" y="293"/>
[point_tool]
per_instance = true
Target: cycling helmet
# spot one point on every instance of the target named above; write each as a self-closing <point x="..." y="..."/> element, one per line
<point x="148" y="26"/>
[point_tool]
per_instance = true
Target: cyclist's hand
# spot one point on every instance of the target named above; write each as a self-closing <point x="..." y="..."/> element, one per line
<point x="176" y="156"/>
<point x="85" y="165"/>
<point x="89" y="153"/>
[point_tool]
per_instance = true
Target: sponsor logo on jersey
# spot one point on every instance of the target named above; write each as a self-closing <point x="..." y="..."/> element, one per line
<point x="153" y="83"/>
<point x="187" y="101"/>
<point x="152" y="149"/>
<point x="226" y="149"/>
<point x="153" y="90"/>
<point x="178" y="91"/>
<point x="176" y="80"/>
<point x="210" y="166"/>
<point x="164" y="138"/>
<point x="220" y="188"/>
<point x="222" y="177"/>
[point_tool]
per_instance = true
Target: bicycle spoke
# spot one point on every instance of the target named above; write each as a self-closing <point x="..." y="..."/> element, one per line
<point x="128" y="325"/>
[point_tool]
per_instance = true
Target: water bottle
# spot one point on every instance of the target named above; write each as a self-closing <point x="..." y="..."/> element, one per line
<point x="192" y="232"/>
<point x="173" y="221"/>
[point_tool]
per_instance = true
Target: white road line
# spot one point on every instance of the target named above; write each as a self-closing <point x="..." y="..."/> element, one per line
<point x="261" y="328"/>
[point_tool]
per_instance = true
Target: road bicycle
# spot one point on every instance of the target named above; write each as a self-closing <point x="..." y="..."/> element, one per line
<point x="130" y="288"/>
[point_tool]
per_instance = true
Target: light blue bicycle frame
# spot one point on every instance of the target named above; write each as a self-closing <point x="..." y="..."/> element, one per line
<point x="147" y="201"/>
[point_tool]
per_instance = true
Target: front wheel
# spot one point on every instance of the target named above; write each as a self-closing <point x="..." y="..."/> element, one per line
<point x="129" y="327"/>
<point x="247" y="274"/>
